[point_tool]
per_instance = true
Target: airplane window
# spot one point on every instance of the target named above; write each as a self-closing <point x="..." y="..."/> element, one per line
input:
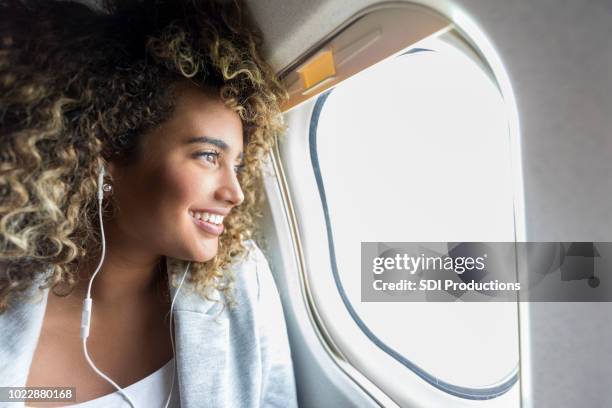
<point x="416" y="148"/>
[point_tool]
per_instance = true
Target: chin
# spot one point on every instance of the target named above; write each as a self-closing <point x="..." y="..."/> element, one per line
<point x="209" y="251"/>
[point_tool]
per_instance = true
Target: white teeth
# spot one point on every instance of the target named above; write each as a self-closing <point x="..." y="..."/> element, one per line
<point x="212" y="218"/>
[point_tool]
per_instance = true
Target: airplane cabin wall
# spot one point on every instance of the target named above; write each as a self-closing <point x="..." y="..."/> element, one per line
<point x="558" y="56"/>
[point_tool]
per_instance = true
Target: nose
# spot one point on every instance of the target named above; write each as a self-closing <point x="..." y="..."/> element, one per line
<point x="229" y="190"/>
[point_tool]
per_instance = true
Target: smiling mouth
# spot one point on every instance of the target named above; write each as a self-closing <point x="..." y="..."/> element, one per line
<point x="212" y="218"/>
<point x="210" y="223"/>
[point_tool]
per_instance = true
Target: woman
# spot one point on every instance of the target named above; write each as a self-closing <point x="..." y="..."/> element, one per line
<point x="154" y="118"/>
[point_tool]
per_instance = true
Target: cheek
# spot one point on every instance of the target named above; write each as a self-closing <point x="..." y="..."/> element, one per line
<point x="156" y="198"/>
<point x="182" y="239"/>
<point x="181" y="189"/>
<point x="184" y="187"/>
<point x="153" y="206"/>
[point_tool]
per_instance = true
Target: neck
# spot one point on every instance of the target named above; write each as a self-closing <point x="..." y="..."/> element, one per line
<point x="129" y="273"/>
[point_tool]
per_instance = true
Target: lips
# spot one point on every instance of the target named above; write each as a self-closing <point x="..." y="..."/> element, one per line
<point x="208" y="227"/>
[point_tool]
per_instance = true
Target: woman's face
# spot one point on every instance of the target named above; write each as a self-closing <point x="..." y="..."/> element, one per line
<point x="187" y="171"/>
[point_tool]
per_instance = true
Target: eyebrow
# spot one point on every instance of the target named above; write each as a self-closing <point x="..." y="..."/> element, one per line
<point x="213" y="141"/>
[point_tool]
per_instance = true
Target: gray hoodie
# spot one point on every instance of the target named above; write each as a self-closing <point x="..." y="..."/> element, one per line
<point x="224" y="358"/>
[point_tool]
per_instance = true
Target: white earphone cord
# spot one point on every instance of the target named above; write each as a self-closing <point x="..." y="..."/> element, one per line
<point x="87" y="307"/>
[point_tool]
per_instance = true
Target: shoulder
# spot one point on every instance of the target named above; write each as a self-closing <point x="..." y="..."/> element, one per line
<point x="268" y="337"/>
<point x="252" y="275"/>
<point x="258" y="309"/>
<point x="247" y="277"/>
<point x="258" y="301"/>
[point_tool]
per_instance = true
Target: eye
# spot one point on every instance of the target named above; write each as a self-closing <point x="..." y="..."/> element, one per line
<point x="239" y="169"/>
<point x="209" y="156"/>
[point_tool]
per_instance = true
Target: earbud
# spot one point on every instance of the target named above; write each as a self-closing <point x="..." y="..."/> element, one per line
<point x="88" y="303"/>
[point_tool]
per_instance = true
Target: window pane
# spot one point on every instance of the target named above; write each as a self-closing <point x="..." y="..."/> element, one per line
<point x="417" y="149"/>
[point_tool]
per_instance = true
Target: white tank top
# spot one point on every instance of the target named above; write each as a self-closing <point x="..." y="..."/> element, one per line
<point x="150" y="392"/>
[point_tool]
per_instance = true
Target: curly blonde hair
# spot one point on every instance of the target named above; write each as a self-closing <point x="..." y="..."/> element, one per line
<point x="79" y="85"/>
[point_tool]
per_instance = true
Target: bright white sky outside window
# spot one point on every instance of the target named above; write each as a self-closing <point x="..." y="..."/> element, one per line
<point x="417" y="149"/>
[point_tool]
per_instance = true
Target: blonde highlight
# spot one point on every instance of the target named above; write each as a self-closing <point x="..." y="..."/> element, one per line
<point x="79" y="86"/>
